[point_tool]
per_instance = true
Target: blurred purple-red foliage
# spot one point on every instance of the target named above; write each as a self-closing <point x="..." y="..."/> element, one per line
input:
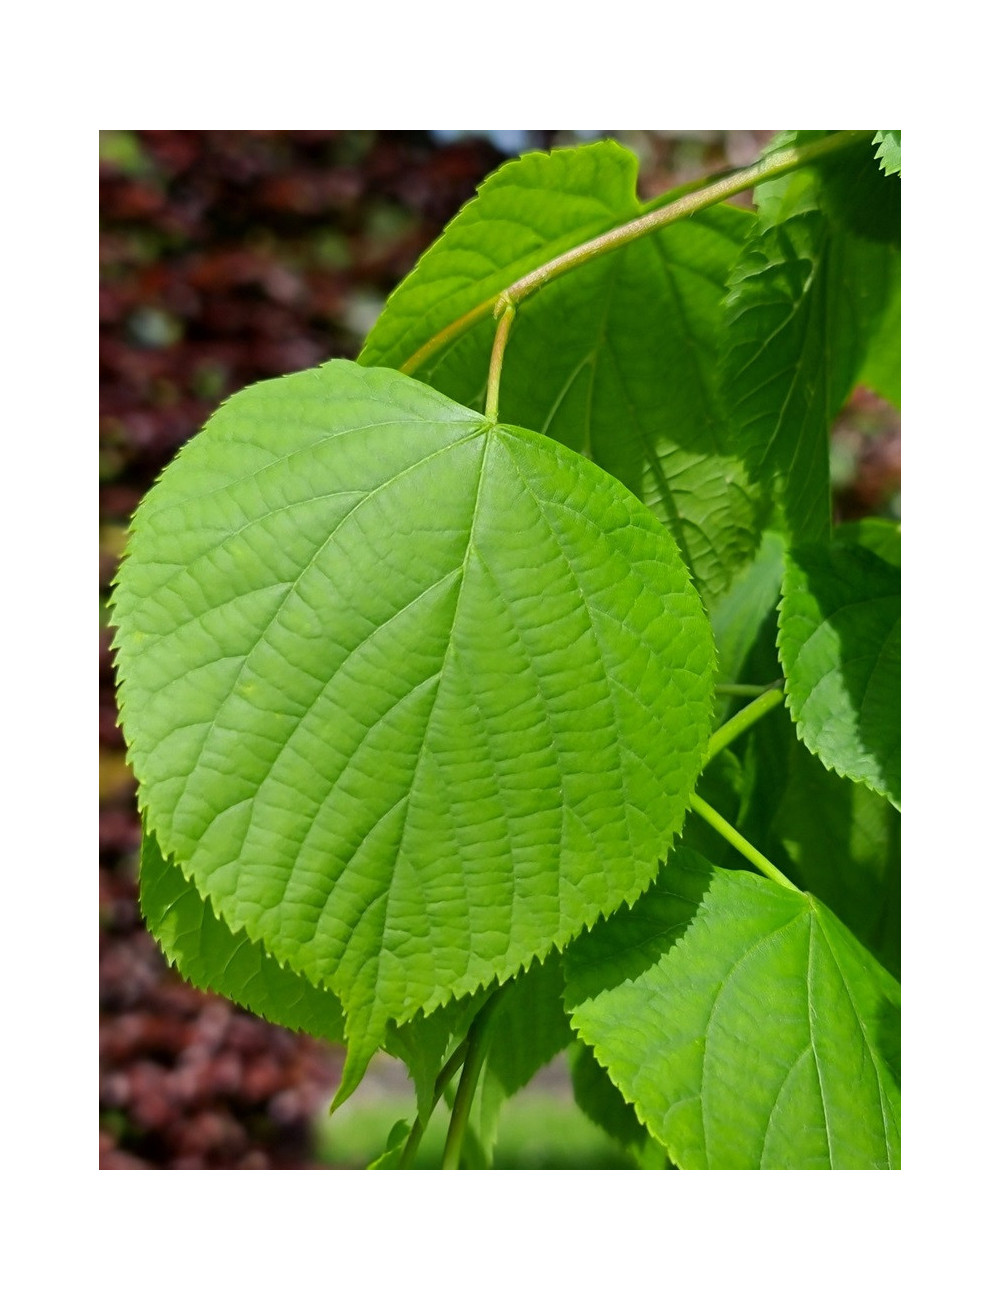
<point x="226" y="257"/>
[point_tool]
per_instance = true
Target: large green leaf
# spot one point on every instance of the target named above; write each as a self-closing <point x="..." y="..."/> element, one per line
<point x="411" y="697"/>
<point x="617" y="359"/>
<point x="839" y="640"/>
<point x="207" y="953"/>
<point x="747" y="1026"/>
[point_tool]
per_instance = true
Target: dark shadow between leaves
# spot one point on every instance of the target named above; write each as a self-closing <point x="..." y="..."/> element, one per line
<point x="635" y="938"/>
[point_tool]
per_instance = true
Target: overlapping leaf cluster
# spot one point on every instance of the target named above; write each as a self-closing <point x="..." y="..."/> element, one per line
<point x="418" y="700"/>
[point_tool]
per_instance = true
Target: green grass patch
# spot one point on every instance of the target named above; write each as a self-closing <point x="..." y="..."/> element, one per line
<point x="537" y="1131"/>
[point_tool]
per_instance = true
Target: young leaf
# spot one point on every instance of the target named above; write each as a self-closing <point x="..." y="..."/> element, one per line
<point x="413" y="697"/>
<point x="207" y="953"/>
<point x="839" y="641"/>
<point x="616" y="360"/>
<point x="746" y="1025"/>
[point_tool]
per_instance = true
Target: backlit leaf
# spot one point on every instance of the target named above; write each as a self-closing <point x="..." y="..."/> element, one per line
<point x="411" y="698"/>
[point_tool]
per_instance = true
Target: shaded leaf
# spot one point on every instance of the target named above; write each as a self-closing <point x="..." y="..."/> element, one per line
<point x="738" y="617"/>
<point x="860" y="196"/>
<point x="395" y="1144"/>
<point x="604" y="1105"/>
<point x="425" y="1043"/>
<point x="746" y="1025"/>
<point x="882" y="371"/>
<point x="413" y="698"/>
<point x="210" y="956"/>
<point x="805" y="300"/>
<point x="529" y="1028"/>
<point x="834" y="837"/>
<point x="839" y="640"/>
<point x="883" y="537"/>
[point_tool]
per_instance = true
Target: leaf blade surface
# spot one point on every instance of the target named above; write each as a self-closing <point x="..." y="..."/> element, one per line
<point x="207" y="954"/>
<point x="748" y="1028"/>
<point x="411" y="697"/>
<point x="616" y="359"/>
<point x="839" y="640"/>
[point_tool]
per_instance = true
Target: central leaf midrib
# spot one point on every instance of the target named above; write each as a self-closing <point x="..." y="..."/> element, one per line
<point x="488" y="438"/>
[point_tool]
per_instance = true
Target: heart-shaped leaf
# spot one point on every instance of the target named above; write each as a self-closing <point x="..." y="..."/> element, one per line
<point x="411" y="697"/>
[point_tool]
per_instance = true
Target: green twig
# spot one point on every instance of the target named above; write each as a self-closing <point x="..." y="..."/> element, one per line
<point x="448" y="1070"/>
<point x="478" y="1041"/>
<point x="739" y="722"/>
<point x="729" y="688"/>
<point x="496" y="359"/>
<point x="767" y="168"/>
<point x="732" y="835"/>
